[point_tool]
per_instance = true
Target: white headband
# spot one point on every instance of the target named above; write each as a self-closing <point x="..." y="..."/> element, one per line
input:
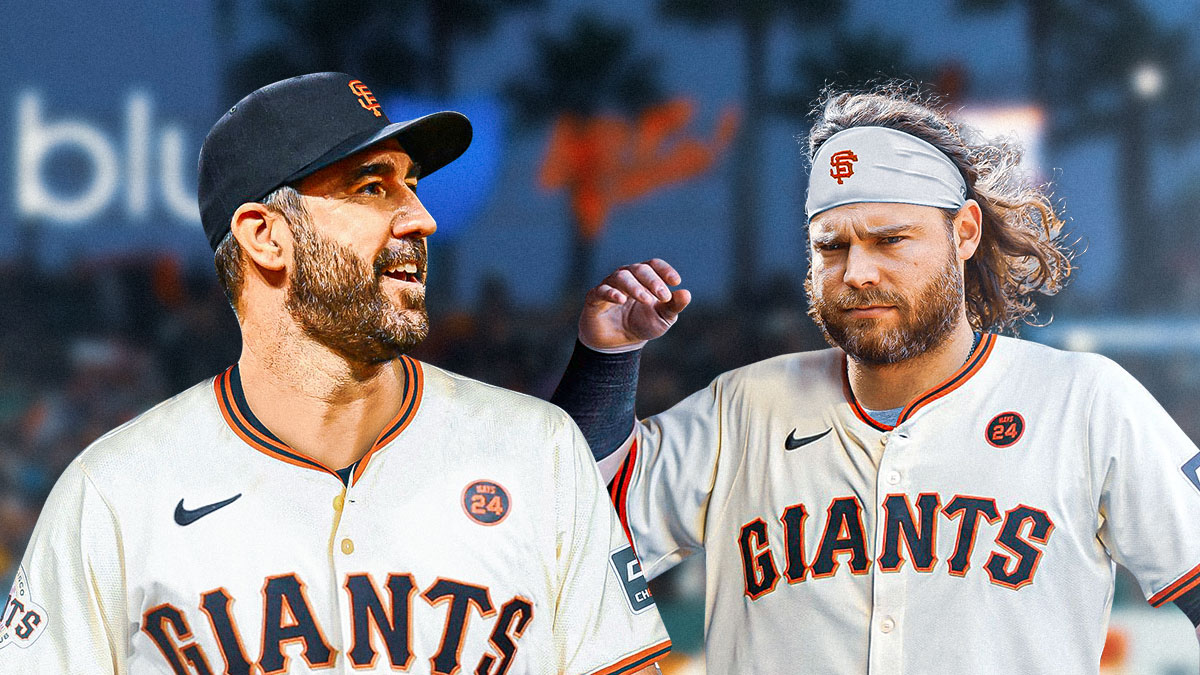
<point x="878" y="164"/>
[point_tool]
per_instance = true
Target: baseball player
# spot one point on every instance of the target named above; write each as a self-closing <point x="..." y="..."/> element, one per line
<point x="927" y="496"/>
<point x="329" y="503"/>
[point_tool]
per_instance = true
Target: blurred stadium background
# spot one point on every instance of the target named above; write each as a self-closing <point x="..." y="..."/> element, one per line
<point x="606" y="133"/>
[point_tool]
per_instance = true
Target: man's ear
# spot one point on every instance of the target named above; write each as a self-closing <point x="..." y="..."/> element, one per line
<point x="259" y="230"/>
<point x="968" y="229"/>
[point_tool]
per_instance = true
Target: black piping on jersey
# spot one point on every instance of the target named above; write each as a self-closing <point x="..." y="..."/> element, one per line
<point x="231" y="400"/>
<point x="974" y="362"/>
<point x="410" y="400"/>
<point x="239" y="400"/>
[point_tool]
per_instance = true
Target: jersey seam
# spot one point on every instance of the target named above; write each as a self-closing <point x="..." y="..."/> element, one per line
<point x="83" y="471"/>
<point x="718" y="384"/>
<point x="92" y="482"/>
<point x="1087" y="440"/>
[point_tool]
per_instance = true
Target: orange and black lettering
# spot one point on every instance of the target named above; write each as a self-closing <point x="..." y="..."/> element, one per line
<point x="28" y="623"/>
<point x="461" y="597"/>
<point x="395" y="626"/>
<point x="154" y="624"/>
<point x="1028" y="555"/>
<point x="900" y="525"/>
<point x="216" y="604"/>
<point x="758" y="566"/>
<point x="843" y="534"/>
<point x="970" y="508"/>
<point x="515" y="616"/>
<point x="288" y="617"/>
<point x="793" y="542"/>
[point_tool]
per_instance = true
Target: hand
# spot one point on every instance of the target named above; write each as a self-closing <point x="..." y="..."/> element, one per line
<point x="632" y="305"/>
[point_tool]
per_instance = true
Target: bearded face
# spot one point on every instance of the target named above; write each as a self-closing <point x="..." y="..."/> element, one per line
<point x="338" y="299"/>
<point x="927" y="316"/>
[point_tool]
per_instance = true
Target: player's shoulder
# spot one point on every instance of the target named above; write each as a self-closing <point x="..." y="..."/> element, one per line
<point x="1051" y="363"/>
<point x="472" y="400"/>
<point x="174" y="426"/>
<point x="818" y="369"/>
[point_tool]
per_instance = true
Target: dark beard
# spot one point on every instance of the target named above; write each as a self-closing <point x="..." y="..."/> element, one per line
<point x="335" y="297"/>
<point x="924" y="324"/>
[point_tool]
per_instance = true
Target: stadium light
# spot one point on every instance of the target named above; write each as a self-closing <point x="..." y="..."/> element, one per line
<point x="1147" y="81"/>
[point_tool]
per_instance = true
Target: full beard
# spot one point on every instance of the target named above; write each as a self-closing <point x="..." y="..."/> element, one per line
<point x="925" y="323"/>
<point x="336" y="298"/>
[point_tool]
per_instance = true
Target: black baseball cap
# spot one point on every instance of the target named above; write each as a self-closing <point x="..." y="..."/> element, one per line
<point x="290" y="129"/>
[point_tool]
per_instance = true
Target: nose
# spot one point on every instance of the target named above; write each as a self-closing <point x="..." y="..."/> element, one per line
<point x="861" y="269"/>
<point x="412" y="220"/>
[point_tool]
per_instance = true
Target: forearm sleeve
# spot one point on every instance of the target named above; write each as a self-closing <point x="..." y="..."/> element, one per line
<point x="599" y="391"/>
<point x="1190" y="604"/>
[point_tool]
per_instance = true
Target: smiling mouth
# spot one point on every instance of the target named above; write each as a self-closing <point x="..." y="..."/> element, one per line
<point x="405" y="271"/>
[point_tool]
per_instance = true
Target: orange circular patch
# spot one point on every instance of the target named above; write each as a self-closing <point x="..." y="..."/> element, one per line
<point x="486" y="502"/>
<point x="1005" y="429"/>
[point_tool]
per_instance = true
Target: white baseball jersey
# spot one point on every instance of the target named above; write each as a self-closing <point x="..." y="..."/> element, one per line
<point x="474" y="537"/>
<point x="976" y="536"/>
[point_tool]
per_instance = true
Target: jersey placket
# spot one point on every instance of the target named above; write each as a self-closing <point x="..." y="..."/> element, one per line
<point x="343" y="559"/>
<point x="889" y="589"/>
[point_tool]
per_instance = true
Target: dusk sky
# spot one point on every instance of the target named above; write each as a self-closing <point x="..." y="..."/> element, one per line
<point x="116" y="68"/>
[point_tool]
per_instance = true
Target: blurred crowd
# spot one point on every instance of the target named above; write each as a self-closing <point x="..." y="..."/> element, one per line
<point x="85" y="350"/>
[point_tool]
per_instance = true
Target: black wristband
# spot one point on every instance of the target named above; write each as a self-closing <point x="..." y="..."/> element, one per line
<point x="599" y="392"/>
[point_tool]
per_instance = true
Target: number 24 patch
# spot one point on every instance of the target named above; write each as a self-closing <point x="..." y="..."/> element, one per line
<point x="486" y="502"/>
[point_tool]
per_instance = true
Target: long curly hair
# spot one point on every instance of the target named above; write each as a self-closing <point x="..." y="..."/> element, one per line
<point x="1022" y="249"/>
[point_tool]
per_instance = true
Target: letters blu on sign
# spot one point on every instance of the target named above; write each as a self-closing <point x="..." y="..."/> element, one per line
<point x="127" y="164"/>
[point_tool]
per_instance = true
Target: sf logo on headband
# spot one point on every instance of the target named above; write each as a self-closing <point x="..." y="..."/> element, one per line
<point x="366" y="99"/>
<point x="843" y="165"/>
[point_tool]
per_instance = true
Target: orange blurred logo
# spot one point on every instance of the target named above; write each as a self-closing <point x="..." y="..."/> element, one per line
<point x="365" y="98"/>
<point x="606" y="160"/>
<point x="843" y="165"/>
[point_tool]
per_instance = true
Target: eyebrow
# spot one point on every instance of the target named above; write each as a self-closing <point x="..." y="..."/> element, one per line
<point x="382" y="167"/>
<point x="880" y="232"/>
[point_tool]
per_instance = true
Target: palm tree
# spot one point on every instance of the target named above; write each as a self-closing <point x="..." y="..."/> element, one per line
<point x="753" y="20"/>
<point x="1108" y="68"/>
<point x="405" y="46"/>
<point x="853" y="60"/>
<point x="590" y="71"/>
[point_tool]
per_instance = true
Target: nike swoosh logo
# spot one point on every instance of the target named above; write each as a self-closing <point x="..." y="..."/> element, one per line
<point x="188" y="516"/>
<point x="792" y="442"/>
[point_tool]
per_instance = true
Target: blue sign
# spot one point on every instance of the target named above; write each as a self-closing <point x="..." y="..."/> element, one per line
<point x="457" y="193"/>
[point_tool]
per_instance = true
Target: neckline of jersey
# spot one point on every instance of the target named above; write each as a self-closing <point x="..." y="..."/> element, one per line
<point x="231" y="400"/>
<point x="966" y="371"/>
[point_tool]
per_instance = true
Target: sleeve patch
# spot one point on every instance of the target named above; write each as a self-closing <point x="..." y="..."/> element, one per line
<point x="1191" y="470"/>
<point x="628" y="569"/>
<point x="22" y="620"/>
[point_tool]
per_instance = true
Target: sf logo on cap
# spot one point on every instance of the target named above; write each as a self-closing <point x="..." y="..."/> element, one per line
<point x="843" y="165"/>
<point x="366" y="99"/>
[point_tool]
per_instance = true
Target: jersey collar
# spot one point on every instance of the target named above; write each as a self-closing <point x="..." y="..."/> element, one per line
<point x="231" y="400"/>
<point x="974" y="362"/>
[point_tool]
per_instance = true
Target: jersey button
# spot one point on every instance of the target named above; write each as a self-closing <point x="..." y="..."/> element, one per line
<point x="338" y="502"/>
<point x="887" y="625"/>
<point x="893" y="478"/>
<point x="884" y="439"/>
<point x="347" y="546"/>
